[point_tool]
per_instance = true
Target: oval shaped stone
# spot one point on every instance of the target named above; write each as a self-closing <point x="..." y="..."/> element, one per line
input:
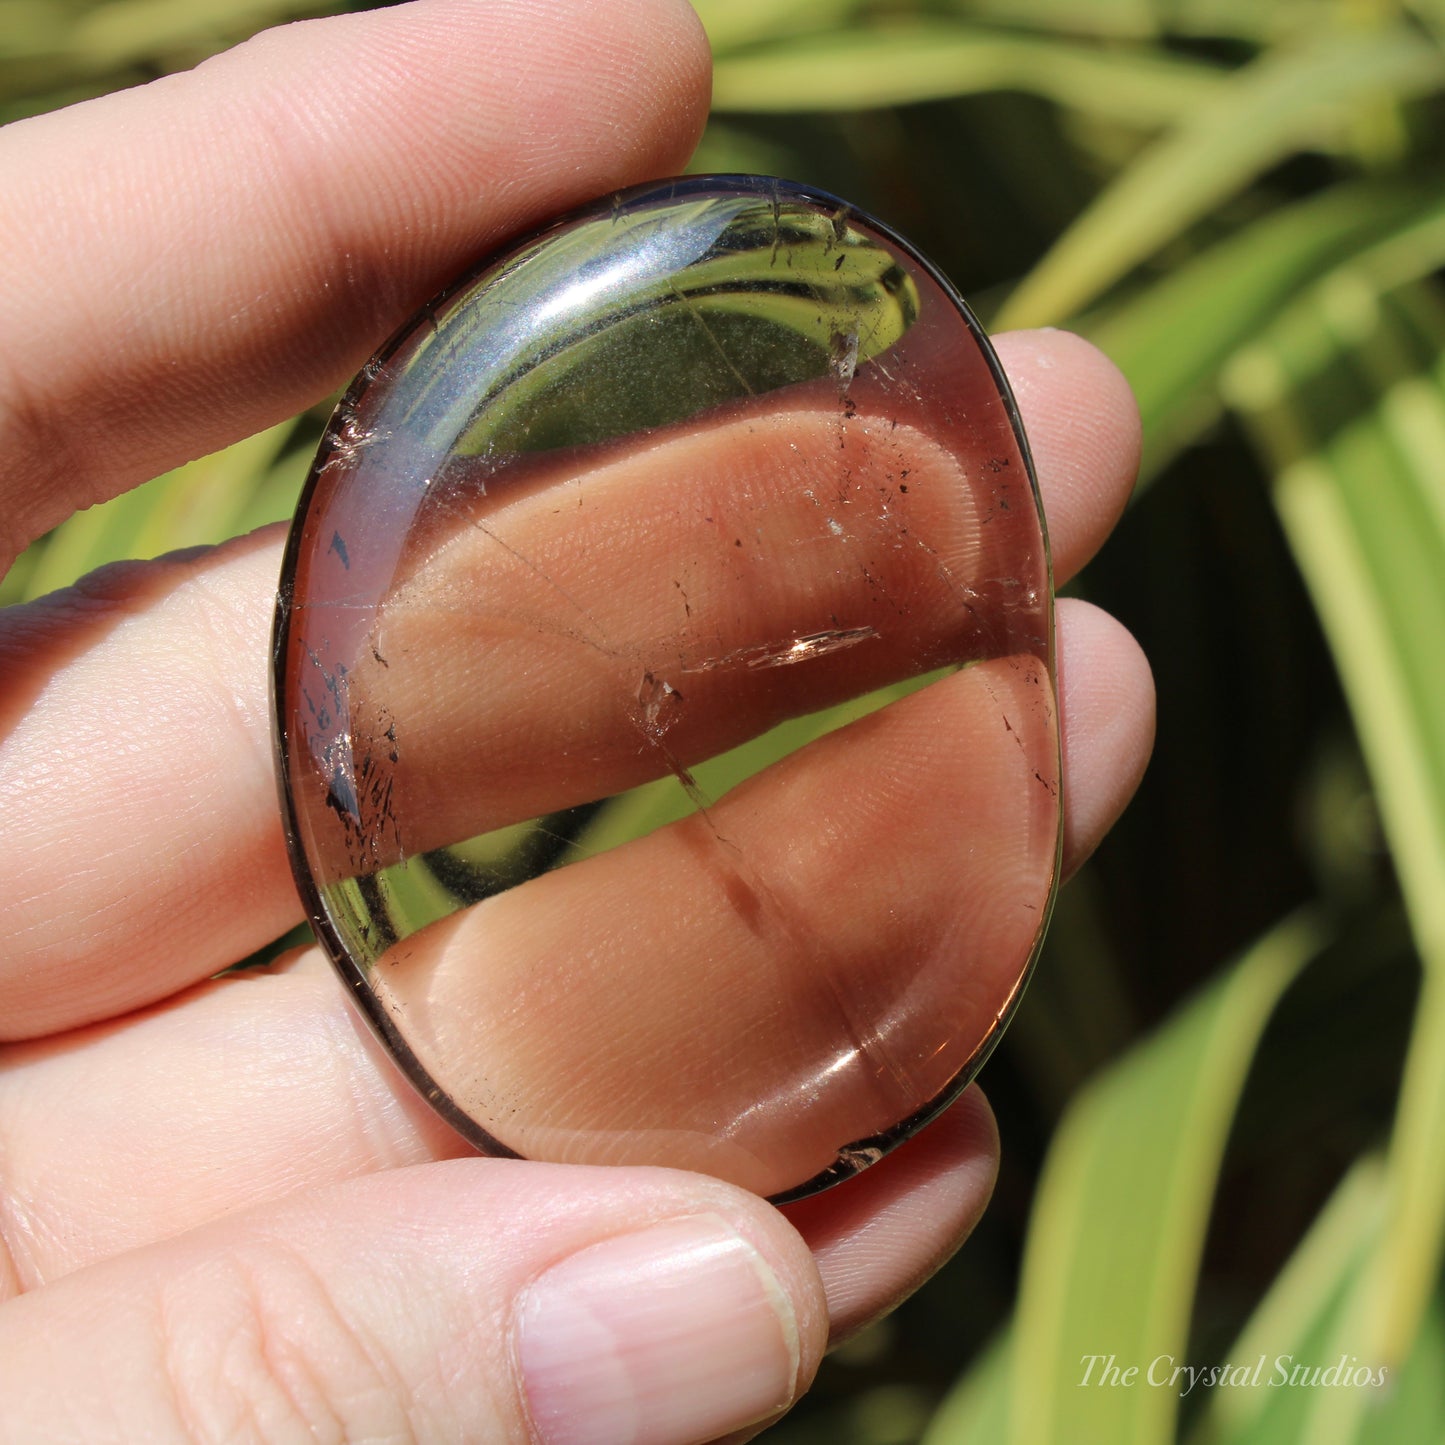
<point x="663" y="682"/>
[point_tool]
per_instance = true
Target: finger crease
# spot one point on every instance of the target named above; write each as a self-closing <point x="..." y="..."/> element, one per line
<point x="12" y="1280"/>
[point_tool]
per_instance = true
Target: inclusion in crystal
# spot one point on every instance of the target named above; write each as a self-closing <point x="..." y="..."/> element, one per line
<point x="664" y="699"/>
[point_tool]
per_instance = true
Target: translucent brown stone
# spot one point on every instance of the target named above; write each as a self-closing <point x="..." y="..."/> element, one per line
<point x="664" y="701"/>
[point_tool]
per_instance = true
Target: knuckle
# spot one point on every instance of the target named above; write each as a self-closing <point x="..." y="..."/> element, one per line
<point x="257" y="1347"/>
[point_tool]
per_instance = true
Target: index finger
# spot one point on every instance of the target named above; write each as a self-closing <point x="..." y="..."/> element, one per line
<point x="152" y="686"/>
<point x="231" y="243"/>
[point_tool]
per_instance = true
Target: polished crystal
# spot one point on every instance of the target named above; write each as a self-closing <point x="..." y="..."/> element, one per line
<point x="664" y="700"/>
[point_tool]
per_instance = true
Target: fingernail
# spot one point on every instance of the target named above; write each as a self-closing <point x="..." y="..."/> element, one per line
<point x="670" y="1336"/>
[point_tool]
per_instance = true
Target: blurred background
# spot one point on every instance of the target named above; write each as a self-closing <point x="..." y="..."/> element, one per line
<point x="1223" y="1102"/>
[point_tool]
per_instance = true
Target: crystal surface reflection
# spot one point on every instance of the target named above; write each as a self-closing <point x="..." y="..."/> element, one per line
<point x="664" y="699"/>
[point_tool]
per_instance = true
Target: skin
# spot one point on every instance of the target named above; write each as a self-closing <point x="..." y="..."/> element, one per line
<point x="201" y="1182"/>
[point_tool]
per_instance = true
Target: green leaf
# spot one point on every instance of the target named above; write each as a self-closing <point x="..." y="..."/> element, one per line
<point x="903" y="62"/>
<point x="1296" y="1328"/>
<point x="1343" y="396"/>
<point x="731" y="24"/>
<point x="1117" y="19"/>
<point x="1294" y="1318"/>
<point x="1172" y="338"/>
<point x="733" y="150"/>
<point x="1383" y="1320"/>
<point x="30" y="27"/>
<point x="1414" y="1407"/>
<point x="127" y="30"/>
<point x="975" y="1411"/>
<point x="1147" y="19"/>
<point x="1284" y="102"/>
<point x="1339" y="413"/>
<point x="203" y="502"/>
<point x="1119" y="1220"/>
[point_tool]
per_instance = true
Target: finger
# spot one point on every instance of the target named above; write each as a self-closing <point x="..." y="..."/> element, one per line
<point x="472" y="1300"/>
<point x="881" y="1236"/>
<point x="234" y="1094"/>
<point x="151" y="683"/>
<point x="810" y="962"/>
<point x="320" y="1104"/>
<point x="1106" y="701"/>
<point x="1083" y="428"/>
<point x="669" y="565"/>
<point x="144" y="836"/>
<point x="609" y="616"/>
<point x="252" y="1088"/>
<point x="320" y="182"/>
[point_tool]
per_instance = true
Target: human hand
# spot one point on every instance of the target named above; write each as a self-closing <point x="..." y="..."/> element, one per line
<point x="221" y="1212"/>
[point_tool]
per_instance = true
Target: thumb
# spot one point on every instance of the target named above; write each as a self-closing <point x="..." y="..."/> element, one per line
<point x="472" y="1300"/>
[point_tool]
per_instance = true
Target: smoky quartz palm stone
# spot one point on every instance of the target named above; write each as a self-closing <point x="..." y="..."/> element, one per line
<point x="664" y="696"/>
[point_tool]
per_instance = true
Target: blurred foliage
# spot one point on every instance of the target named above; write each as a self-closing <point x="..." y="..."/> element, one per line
<point x="1242" y="203"/>
<point x="1223" y="1104"/>
<point x="53" y="52"/>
